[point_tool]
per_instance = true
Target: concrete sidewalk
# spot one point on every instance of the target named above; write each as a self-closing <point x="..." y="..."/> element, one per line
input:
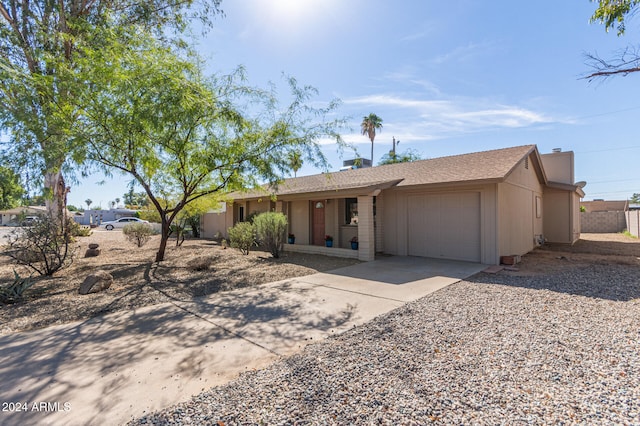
<point x="110" y="369"/>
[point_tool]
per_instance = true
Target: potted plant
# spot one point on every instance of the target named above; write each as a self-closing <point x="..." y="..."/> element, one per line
<point x="291" y="239"/>
<point x="328" y="240"/>
<point x="354" y="243"/>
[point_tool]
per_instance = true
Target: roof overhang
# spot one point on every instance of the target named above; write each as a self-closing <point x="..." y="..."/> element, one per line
<point x="566" y="187"/>
<point x="348" y="191"/>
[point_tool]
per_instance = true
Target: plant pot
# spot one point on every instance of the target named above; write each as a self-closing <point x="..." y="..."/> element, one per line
<point x="328" y="243"/>
<point x="292" y="240"/>
<point x="354" y="245"/>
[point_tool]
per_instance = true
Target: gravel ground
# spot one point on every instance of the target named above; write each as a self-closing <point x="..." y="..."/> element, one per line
<point x="558" y="348"/>
<point x="197" y="268"/>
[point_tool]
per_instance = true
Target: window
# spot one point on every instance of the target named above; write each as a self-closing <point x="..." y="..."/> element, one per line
<point x="351" y="211"/>
<point x="240" y="213"/>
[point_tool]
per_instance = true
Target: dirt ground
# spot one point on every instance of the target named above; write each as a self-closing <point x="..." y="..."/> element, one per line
<point x="197" y="268"/>
<point x="200" y="267"/>
<point x="591" y="249"/>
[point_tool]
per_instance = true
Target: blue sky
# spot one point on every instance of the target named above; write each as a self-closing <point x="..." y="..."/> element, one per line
<point x="446" y="77"/>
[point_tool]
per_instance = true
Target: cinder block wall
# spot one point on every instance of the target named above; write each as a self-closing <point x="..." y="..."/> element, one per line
<point x="633" y="222"/>
<point x="602" y="222"/>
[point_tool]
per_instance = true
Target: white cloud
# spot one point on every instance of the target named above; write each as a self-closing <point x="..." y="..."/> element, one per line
<point x="422" y="120"/>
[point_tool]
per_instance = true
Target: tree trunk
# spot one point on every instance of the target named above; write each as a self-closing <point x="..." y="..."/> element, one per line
<point x="56" y="196"/>
<point x="164" y="237"/>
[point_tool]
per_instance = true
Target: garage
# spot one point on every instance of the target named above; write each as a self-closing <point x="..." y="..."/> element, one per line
<point x="445" y="225"/>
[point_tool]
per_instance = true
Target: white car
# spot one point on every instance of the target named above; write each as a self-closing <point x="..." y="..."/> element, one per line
<point x="120" y="223"/>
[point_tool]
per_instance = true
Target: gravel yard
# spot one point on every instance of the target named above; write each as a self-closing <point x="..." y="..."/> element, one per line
<point x="557" y="342"/>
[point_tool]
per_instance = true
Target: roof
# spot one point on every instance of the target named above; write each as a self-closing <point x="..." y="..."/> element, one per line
<point x="485" y="166"/>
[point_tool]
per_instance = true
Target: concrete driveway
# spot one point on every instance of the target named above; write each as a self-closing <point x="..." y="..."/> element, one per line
<point x="110" y="369"/>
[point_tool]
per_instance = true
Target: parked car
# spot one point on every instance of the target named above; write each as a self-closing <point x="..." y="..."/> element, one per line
<point x="29" y="221"/>
<point x="120" y="223"/>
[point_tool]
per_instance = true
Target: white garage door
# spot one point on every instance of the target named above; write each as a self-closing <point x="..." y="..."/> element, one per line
<point x="445" y="226"/>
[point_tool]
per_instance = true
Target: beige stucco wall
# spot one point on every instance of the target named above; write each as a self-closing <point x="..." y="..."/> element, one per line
<point x="562" y="216"/>
<point x="259" y="206"/>
<point x="212" y="223"/>
<point x="521" y="221"/>
<point x="299" y="221"/>
<point x="558" y="166"/>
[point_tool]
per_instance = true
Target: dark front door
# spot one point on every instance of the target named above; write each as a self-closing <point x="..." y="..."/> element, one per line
<point x="318" y="223"/>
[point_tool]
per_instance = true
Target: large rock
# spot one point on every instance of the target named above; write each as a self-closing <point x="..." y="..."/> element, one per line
<point x="92" y="252"/>
<point x="98" y="281"/>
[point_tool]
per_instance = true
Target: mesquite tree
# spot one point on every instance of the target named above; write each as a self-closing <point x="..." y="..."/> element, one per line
<point x="151" y="114"/>
<point x="39" y="52"/>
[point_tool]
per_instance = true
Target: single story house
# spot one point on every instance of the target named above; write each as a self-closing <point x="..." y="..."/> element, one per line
<point x="473" y="207"/>
<point x="11" y="217"/>
<point x="96" y="217"/>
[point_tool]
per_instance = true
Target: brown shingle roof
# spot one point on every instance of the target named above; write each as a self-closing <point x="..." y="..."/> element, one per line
<point x="494" y="165"/>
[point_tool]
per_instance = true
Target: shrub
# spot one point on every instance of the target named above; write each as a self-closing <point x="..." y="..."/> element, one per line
<point x="271" y="228"/>
<point x="13" y="292"/>
<point x="242" y="236"/>
<point x="138" y="233"/>
<point x="78" y="230"/>
<point x="44" y="247"/>
<point x="200" y="264"/>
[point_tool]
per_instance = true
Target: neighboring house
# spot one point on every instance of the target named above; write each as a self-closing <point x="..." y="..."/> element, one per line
<point x="604" y="216"/>
<point x="96" y="217"/>
<point x="12" y="216"/>
<point x="475" y="207"/>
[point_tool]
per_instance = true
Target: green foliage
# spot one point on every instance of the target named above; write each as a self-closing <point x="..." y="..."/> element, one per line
<point x="628" y="234"/>
<point x="614" y="12"/>
<point x="370" y="125"/>
<point x="45" y="247"/>
<point x="251" y="217"/>
<point x="583" y="209"/>
<point x="271" y="228"/>
<point x="295" y="162"/>
<point x="635" y="198"/>
<point x="152" y="114"/>
<point x="242" y="236"/>
<point x="11" y="190"/>
<point x="136" y="199"/>
<point x="404" y="157"/>
<point x="77" y="230"/>
<point x="14" y="292"/>
<point x="138" y="233"/>
<point x="41" y="47"/>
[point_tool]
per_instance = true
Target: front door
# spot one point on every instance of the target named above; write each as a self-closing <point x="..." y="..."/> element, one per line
<point x="318" y="223"/>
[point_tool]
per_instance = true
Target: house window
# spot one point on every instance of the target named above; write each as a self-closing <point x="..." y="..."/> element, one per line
<point x="241" y="214"/>
<point x="351" y="211"/>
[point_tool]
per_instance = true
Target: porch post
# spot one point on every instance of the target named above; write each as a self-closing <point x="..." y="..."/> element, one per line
<point x="366" y="237"/>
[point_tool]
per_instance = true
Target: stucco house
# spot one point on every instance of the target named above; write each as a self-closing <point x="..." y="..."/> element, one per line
<point x="96" y="217"/>
<point x="474" y="207"/>
<point x="11" y="217"/>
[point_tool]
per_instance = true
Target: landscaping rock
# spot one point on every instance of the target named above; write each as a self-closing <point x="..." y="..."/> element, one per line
<point x="96" y="282"/>
<point x="92" y="252"/>
<point x="93" y="246"/>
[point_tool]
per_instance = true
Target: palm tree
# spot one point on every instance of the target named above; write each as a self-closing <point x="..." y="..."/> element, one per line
<point x="370" y="124"/>
<point x="295" y="161"/>
<point x="117" y="202"/>
<point x="89" y="202"/>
